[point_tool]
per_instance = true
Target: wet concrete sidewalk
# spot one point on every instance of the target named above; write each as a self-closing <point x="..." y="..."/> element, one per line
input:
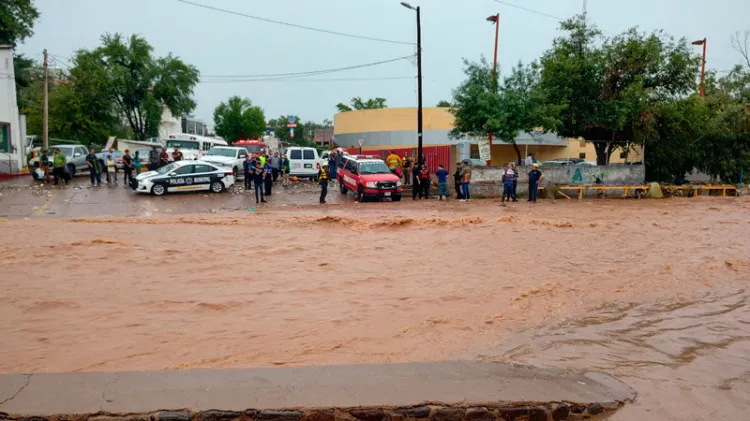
<point x="23" y="197"/>
<point x="455" y="383"/>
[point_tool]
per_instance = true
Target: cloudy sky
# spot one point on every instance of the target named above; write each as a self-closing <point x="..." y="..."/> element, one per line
<point x="222" y="44"/>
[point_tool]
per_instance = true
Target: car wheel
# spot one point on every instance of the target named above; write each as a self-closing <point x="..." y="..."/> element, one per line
<point x="342" y="187"/>
<point x="158" y="190"/>
<point x="360" y="194"/>
<point x="235" y="172"/>
<point x="71" y="170"/>
<point x="217" y="187"/>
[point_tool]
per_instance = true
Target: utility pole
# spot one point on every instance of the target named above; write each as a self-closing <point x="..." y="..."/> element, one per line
<point x="496" y="20"/>
<point x="45" y="122"/>
<point x="420" y="157"/>
<point x="419" y="89"/>
<point x="702" y="42"/>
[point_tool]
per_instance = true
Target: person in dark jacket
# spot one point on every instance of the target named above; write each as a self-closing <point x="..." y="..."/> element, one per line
<point x="457" y="181"/>
<point x="153" y="159"/>
<point x="247" y="169"/>
<point x="415" y="182"/>
<point x="258" y="176"/>
<point x="268" y="176"/>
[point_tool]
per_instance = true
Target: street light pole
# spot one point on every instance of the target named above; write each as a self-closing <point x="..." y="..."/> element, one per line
<point x="703" y="65"/>
<point x="420" y="156"/>
<point x="496" y="20"/>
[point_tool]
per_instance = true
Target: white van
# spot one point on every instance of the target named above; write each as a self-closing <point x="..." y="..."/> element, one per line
<point x="192" y="146"/>
<point x="303" y="162"/>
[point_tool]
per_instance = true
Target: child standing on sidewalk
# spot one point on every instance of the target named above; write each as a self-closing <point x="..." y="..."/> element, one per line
<point x="508" y="180"/>
<point x="111" y="169"/>
<point x="442" y="180"/>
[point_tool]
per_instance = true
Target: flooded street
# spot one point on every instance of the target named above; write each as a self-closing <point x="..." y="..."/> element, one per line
<point x="654" y="292"/>
<point x="688" y="358"/>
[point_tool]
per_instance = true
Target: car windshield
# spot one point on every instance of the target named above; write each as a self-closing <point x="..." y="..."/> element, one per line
<point x="222" y="152"/>
<point x="182" y="144"/>
<point x="254" y="148"/>
<point x="373" y="167"/>
<point x="66" y="150"/>
<point x="167" y="168"/>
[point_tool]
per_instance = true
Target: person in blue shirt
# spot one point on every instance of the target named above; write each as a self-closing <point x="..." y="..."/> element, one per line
<point x="535" y="177"/>
<point x="137" y="163"/>
<point x="442" y="180"/>
<point x="95" y="171"/>
<point x="509" y="177"/>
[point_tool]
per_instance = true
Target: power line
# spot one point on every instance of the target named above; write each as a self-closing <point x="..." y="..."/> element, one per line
<point x="325" y="31"/>
<point x="287" y="80"/>
<point x="308" y="73"/>
<point x="530" y="10"/>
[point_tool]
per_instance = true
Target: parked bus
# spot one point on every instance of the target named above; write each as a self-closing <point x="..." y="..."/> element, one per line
<point x="192" y="146"/>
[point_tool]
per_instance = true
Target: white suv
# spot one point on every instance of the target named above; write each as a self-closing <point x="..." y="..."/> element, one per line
<point x="227" y="156"/>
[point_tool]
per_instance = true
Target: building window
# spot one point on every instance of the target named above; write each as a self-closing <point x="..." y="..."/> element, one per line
<point x="5" y="137"/>
<point x="624" y="155"/>
<point x="582" y="155"/>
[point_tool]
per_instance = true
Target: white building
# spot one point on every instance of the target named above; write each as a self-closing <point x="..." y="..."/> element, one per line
<point x="11" y="133"/>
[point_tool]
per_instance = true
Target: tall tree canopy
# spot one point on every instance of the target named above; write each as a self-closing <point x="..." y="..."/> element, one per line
<point x="518" y="106"/>
<point x="603" y="89"/>
<point x="238" y="119"/>
<point x="358" y="104"/>
<point x="138" y="85"/>
<point x="17" y="19"/>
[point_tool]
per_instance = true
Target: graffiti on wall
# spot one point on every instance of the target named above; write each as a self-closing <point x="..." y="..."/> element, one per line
<point x="593" y="176"/>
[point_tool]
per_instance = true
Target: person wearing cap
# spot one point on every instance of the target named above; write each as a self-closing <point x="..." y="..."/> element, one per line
<point x="323" y="181"/>
<point x="535" y="177"/>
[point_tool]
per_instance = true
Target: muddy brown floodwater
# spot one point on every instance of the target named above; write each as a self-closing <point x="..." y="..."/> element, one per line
<point x="652" y="291"/>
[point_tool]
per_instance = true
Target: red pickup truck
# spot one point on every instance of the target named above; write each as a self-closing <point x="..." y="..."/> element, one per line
<point x="369" y="178"/>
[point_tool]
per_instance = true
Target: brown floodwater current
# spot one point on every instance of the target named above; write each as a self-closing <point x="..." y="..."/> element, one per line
<point x="655" y="292"/>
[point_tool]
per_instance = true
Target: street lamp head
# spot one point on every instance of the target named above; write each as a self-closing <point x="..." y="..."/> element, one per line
<point x="699" y="42"/>
<point x="492" y="18"/>
<point x="407" y="5"/>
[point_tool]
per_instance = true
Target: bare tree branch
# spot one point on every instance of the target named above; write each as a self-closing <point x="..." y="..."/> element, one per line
<point x="742" y="45"/>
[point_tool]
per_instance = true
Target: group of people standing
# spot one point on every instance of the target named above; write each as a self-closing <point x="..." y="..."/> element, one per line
<point x="59" y="160"/>
<point x="261" y="171"/>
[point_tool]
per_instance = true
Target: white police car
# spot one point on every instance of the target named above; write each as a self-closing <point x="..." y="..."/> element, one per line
<point x="184" y="176"/>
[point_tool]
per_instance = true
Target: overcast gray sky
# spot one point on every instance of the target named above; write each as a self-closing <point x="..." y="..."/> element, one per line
<point x="224" y="44"/>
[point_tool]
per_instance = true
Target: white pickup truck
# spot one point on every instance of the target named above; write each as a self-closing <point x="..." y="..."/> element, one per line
<point x="227" y="156"/>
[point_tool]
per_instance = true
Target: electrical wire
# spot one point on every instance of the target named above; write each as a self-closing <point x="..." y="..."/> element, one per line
<point x="325" y="31"/>
<point x="286" y="80"/>
<point x="530" y="10"/>
<point x="308" y="73"/>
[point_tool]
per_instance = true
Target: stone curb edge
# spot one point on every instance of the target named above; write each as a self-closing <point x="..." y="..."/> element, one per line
<point x="556" y="411"/>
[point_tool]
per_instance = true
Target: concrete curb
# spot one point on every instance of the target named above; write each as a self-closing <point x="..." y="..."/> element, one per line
<point x="442" y="391"/>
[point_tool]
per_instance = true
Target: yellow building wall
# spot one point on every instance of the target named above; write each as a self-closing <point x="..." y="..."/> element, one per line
<point x="392" y="119"/>
<point x="502" y="154"/>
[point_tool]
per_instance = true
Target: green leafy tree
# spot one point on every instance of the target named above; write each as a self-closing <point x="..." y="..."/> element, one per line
<point x="358" y="104"/>
<point x="238" y="119"/>
<point x="604" y="89"/>
<point x="138" y="85"/>
<point x="17" y="19"/>
<point x="518" y="106"/>
<point x="444" y="104"/>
